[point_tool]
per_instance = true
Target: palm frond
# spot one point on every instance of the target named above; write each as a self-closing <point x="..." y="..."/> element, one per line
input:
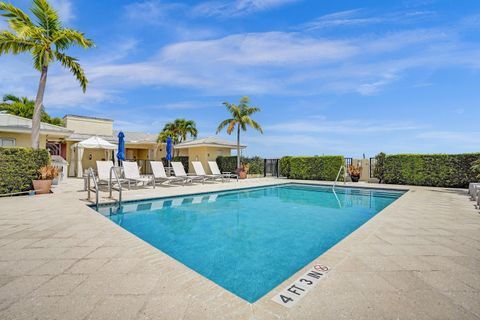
<point x="231" y="126"/>
<point x="10" y="98"/>
<point x="223" y="124"/>
<point x="10" y="43"/>
<point x="47" y="17"/>
<point x="64" y="38"/>
<point x="72" y="64"/>
<point x="15" y="13"/>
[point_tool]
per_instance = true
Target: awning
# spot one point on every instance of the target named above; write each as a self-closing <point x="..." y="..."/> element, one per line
<point x="90" y="143"/>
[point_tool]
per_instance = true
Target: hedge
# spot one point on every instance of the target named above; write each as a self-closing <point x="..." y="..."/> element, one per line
<point x="311" y="168"/>
<point x="19" y="166"/>
<point x="182" y="159"/>
<point x="229" y="164"/>
<point x="436" y="170"/>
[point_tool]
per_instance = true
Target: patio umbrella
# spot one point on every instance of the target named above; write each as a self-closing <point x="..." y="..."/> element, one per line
<point x="169" y="150"/>
<point x="121" y="147"/>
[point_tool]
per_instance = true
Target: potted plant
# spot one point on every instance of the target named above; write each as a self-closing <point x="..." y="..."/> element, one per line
<point x="243" y="171"/>
<point x="44" y="182"/>
<point x="354" y="172"/>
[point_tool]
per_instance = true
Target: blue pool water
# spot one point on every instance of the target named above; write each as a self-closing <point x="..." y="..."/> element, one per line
<point x="251" y="240"/>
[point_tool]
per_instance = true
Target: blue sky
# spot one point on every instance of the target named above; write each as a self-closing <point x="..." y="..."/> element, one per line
<point x="331" y="77"/>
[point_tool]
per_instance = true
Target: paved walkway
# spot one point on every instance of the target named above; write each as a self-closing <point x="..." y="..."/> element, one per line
<point x="417" y="259"/>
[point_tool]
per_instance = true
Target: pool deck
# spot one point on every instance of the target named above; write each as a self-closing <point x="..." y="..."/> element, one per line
<point x="417" y="259"/>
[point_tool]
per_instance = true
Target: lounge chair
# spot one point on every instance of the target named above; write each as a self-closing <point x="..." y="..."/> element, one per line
<point x="197" y="166"/>
<point x="132" y="174"/>
<point x="159" y="174"/>
<point x="179" y="171"/>
<point x="473" y="189"/>
<point x="103" y="173"/>
<point x="216" y="171"/>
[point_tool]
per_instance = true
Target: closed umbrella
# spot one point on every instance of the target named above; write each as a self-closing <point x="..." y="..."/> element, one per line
<point x="169" y="150"/>
<point x="121" y="147"/>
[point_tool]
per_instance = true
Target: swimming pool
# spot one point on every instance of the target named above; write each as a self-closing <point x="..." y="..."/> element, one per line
<point x="250" y="240"/>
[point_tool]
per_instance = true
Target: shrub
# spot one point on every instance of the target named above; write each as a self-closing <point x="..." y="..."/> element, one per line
<point x="436" y="170"/>
<point x="379" y="169"/>
<point x="229" y="164"/>
<point x="476" y="168"/>
<point x="182" y="159"/>
<point x="285" y="166"/>
<point x="313" y="168"/>
<point x="19" y="166"/>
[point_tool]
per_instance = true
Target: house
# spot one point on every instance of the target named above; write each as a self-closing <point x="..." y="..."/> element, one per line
<point x="139" y="146"/>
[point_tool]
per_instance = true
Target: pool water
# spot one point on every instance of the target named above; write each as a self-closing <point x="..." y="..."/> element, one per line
<point x="249" y="241"/>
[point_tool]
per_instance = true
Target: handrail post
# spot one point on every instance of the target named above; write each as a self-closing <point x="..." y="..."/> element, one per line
<point x="112" y="170"/>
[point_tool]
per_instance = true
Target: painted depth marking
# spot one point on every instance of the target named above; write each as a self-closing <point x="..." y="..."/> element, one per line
<point x="289" y="296"/>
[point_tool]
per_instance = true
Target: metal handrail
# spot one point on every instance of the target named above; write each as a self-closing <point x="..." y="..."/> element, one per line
<point x="110" y="184"/>
<point x="90" y="174"/>
<point x="338" y="176"/>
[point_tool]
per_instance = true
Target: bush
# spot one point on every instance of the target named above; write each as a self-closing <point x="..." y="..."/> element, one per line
<point x="379" y="169"/>
<point x="182" y="159"/>
<point x="285" y="166"/>
<point x="312" y="168"/>
<point x="229" y="164"/>
<point x="436" y="170"/>
<point x="19" y="166"/>
<point x="476" y="168"/>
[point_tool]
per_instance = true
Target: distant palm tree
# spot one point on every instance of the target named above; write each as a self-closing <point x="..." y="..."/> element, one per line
<point x="178" y="130"/>
<point x="24" y="107"/>
<point x="241" y="119"/>
<point x="46" y="40"/>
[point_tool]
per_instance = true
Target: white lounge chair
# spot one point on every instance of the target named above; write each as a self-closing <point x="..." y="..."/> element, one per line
<point x="198" y="167"/>
<point x="131" y="173"/>
<point x="103" y="173"/>
<point x="216" y="171"/>
<point x="179" y="171"/>
<point x="160" y="175"/>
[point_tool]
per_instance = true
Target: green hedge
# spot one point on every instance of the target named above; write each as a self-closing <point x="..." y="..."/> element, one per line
<point x="311" y="168"/>
<point x="19" y="166"/>
<point x="182" y="159"/>
<point x="436" y="170"/>
<point x="229" y="164"/>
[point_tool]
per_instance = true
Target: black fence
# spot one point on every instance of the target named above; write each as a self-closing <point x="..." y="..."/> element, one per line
<point x="270" y="168"/>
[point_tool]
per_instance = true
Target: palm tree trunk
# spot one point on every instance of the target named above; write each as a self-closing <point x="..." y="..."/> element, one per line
<point x="238" y="146"/>
<point x="37" y="111"/>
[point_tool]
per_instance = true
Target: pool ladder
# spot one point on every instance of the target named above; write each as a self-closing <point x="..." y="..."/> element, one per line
<point x="91" y="175"/>
<point x="113" y="174"/>
<point x="95" y="189"/>
<point x="338" y="176"/>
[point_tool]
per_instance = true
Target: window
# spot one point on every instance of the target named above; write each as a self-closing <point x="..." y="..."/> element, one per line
<point x="7" y="142"/>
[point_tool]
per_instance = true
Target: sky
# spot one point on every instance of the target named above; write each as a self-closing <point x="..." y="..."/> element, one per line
<point x="331" y="77"/>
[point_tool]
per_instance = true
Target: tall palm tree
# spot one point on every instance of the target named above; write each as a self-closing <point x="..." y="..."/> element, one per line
<point x="178" y="130"/>
<point x="240" y="119"/>
<point x="46" y="39"/>
<point x="24" y="107"/>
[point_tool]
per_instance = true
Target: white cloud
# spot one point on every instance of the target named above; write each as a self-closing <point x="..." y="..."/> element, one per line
<point x="360" y="17"/>
<point x="237" y="7"/>
<point x="64" y="9"/>
<point x="151" y="11"/>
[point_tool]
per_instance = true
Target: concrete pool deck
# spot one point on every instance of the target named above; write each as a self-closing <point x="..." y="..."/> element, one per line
<point x="417" y="259"/>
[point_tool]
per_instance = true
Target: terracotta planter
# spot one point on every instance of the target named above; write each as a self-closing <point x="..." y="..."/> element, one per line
<point x="42" y="186"/>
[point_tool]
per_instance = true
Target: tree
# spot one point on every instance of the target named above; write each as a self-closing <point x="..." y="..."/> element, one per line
<point x="240" y="119"/>
<point x="24" y="107"/>
<point x="379" y="169"/>
<point x="178" y="130"/>
<point x="46" y="39"/>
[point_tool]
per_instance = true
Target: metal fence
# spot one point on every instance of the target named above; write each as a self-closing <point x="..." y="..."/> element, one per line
<point x="270" y="168"/>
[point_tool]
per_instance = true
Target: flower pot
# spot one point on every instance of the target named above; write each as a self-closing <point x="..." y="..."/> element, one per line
<point x="42" y="186"/>
<point x="242" y="175"/>
<point x="355" y="178"/>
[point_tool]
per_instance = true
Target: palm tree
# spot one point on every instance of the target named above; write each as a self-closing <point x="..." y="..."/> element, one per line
<point x="241" y="119"/>
<point x="46" y="39"/>
<point x="178" y="130"/>
<point x="24" y="107"/>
